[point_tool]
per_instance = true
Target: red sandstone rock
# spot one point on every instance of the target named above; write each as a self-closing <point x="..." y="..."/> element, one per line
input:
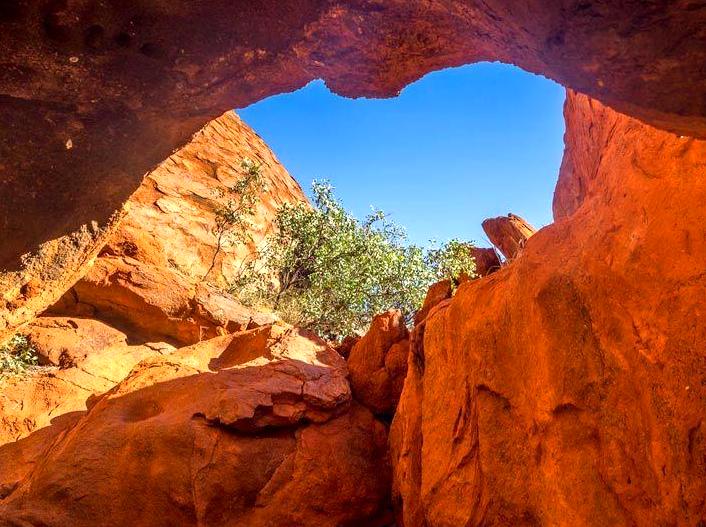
<point x="157" y="303"/>
<point x="346" y="345"/>
<point x="436" y="293"/>
<point x="508" y="233"/>
<point x="487" y="260"/>
<point x="568" y="388"/>
<point x="84" y="357"/>
<point x="171" y="218"/>
<point x="152" y="276"/>
<point x="254" y="428"/>
<point x="378" y="363"/>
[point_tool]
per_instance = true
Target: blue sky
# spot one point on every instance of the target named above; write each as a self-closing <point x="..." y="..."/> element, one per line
<point x="456" y="147"/>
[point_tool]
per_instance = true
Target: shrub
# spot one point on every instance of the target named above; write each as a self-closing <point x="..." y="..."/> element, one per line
<point x="324" y="270"/>
<point x="452" y="260"/>
<point x="16" y="356"/>
<point x="233" y="219"/>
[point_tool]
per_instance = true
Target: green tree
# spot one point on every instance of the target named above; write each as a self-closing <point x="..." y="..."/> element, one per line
<point x="324" y="270"/>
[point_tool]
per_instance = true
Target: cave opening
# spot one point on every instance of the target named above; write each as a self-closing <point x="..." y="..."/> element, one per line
<point x="456" y="147"/>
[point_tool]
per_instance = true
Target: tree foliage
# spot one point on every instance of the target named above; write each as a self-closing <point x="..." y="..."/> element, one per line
<point x="233" y="219"/>
<point x="325" y="270"/>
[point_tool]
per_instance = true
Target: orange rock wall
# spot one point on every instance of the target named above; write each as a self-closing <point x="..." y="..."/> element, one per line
<point x="255" y="428"/>
<point x="569" y="388"/>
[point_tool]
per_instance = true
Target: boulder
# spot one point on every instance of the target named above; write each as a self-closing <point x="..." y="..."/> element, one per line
<point x="486" y="259"/>
<point x="157" y="303"/>
<point x="508" y="233"/>
<point x="378" y="363"/>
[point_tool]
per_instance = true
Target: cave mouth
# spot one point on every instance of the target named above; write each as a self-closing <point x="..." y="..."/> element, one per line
<point x="456" y="147"/>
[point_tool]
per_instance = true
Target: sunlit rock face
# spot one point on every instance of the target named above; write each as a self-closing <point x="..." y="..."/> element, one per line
<point x="96" y="95"/>
<point x="163" y="272"/>
<point x="569" y="387"/>
<point x="508" y="233"/>
<point x="161" y="267"/>
<point x="162" y="401"/>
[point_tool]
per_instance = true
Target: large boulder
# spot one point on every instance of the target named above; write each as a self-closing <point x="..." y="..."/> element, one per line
<point x="157" y="303"/>
<point x="378" y="363"/>
<point x="255" y="428"/>
<point x="568" y="388"/>
<point x="486" y="259"/>
<point x="508" y="233"/>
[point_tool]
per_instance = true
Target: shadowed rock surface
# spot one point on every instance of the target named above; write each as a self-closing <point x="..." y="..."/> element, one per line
<point x="378" y="363"/>
<point x="486" y="259"/>
<point x="84" y="357"/>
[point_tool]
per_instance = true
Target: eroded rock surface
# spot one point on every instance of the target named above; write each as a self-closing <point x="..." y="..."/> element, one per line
<point x="255" y="428"/>
<point x="378" y="363"/>
<point x="171" y="217"/>
<point x="436" y="293"/>
<point x="569" y="387"/>
<point x="161" y="267"/>
<point x="80" y="357"/>
<point x="163" y="272"/>
<point x="508" y="233"/>
<point x="486" y="259"/>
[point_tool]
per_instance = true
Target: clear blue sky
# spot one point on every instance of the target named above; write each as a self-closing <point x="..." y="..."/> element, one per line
<point x="456" y="147"/>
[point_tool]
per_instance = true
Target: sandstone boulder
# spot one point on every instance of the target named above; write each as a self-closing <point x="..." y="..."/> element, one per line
<point x="81" y="358"/>
<point x="255" y="428"/>
<point x="435" y="294"/>
<point x="487" y="260"/>
<point x="508" y="233"/>
<point x="378" y="363"/>
<point x="158" y="303"/>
